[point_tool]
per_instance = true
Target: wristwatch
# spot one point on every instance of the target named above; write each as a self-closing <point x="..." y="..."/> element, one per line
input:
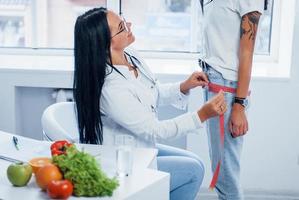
<point x="242" y="101"/>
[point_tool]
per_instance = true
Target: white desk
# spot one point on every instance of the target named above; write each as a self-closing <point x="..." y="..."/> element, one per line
<point x="145" y="183"/>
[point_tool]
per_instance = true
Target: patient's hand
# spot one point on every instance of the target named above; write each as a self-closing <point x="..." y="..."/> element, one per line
<point x="196" y="79"/>
<point x="214" y="107"/>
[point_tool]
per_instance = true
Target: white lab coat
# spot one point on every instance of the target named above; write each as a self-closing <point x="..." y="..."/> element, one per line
<point x="129" y="106"/>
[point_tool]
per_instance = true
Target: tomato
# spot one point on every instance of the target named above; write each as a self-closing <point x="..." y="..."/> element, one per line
<point x="60" y="189"/>
<point x="46" y="174"/>
<point x="59" y="147"/>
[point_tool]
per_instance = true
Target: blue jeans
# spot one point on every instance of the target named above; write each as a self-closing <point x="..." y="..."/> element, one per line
<point x="186" y="171"/>
<point x="228" y="184"/>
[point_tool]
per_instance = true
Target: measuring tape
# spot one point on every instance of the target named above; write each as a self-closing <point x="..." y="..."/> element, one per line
<point x="215" y="89"/>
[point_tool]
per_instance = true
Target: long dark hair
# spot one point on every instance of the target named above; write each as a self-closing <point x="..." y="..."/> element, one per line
<point x="92" y="40"/>
<point x="265" y="4"/>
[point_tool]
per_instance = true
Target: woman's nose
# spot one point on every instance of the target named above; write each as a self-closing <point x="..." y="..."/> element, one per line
<point x="129" y="24"/>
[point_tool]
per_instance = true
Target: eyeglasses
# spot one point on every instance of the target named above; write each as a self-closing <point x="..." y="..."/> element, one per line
<point x="122" y="26"/>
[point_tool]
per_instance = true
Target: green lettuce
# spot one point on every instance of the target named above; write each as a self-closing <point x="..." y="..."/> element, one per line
<point x="85" y="173"/>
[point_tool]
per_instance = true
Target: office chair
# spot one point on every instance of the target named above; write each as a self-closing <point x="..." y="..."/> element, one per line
<point x="59" y="122"/>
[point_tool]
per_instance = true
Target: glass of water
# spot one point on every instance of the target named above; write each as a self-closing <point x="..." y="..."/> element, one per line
<point x="124" y="154"/>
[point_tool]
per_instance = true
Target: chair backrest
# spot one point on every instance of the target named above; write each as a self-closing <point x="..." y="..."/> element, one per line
<point x="59" y="122"/>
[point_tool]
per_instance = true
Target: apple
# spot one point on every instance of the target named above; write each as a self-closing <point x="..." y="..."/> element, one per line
<point x="19" y="174"/>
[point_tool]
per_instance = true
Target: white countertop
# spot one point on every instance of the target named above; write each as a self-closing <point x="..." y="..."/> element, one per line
<point x="144" y="183"/>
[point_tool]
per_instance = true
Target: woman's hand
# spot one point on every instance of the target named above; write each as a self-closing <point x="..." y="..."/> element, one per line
<point x="196" y="79"/>
<point x="214" y="107"/>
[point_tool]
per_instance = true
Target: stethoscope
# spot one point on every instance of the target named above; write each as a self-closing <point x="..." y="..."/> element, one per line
<point x="135" y="62"/>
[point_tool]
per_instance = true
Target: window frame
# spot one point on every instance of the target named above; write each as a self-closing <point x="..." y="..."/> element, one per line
<point x="276" y="64"/>
<point x="20" y="12"/>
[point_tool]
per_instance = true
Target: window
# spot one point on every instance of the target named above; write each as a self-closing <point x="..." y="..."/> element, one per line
<point x="14" y="23"/>
<point x="263" y="41"/>
<point x="169" y="25"/>
<point x="162" y="25"/>
<point x="41" y="23"/>
<point x="167" y="32"/>
<point x="174" y="25"/>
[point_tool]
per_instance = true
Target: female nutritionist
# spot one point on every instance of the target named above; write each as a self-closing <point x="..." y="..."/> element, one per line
<point x="116" y="93"/>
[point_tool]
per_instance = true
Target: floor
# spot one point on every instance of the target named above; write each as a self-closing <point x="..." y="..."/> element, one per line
<point x="252" y="195"/>
<point x="250" y="198"/>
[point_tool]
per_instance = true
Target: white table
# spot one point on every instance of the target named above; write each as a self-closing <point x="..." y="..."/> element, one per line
<point x="145" y="183"/>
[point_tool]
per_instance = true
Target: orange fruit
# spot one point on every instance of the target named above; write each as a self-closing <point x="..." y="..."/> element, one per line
<point x="37" y="163"/>
<point x="46" y="174"/>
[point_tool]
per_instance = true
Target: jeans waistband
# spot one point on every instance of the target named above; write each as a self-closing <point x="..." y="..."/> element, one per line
<point x="204" y="66"/>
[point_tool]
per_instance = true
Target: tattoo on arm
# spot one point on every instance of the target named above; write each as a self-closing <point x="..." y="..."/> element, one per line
<point x="249" y="25"/>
